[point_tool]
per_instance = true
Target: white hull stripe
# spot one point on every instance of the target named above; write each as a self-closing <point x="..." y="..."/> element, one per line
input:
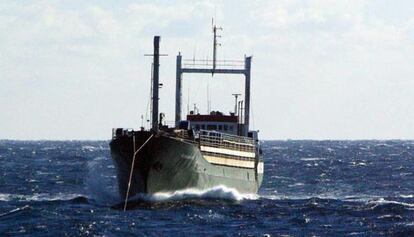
<point x="228" y="152"/>
<point x="229" y="162"/>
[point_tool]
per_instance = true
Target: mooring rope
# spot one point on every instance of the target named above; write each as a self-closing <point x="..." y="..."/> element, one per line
<point x="132" y="168"/>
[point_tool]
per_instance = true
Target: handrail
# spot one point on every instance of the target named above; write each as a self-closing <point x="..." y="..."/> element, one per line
<point x="226" y="141"/>
<point x="210" y="60"/>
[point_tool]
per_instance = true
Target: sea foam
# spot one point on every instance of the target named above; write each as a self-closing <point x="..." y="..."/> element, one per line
<point x="217" y="192"/>
<point x="38" y="197"/>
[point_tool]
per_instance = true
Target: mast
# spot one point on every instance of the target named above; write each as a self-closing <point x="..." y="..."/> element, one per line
<point x="247" y="68"/>
<point x="214" y="47"/>
<point x="178" y="88"/>
<point x="155" y="82"/>
<point x="215" y="44"/>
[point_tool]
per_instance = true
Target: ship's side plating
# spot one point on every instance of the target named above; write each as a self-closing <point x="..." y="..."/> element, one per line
<point x="168" y="163"/>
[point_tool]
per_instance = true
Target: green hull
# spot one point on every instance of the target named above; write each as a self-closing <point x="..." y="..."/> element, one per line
<point x="168" y="164"/>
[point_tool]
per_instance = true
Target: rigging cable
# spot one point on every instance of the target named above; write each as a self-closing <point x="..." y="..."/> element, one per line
<point x="132" y="167"/>
<point x="149" y="101"/>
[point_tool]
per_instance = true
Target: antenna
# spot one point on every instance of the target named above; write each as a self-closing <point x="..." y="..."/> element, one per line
<point x="194" y="53"/>
<point x="235" y="102"/>
<point x="215" y="44"/>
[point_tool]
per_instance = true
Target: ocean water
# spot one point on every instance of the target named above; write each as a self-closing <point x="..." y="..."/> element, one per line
<point x="311" y="188"/>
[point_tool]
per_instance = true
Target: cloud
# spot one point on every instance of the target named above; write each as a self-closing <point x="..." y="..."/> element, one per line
<point x="292" y="15"/>
<point x="80" y="64"/>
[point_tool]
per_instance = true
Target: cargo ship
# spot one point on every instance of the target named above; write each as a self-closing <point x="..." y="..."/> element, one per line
<point x="200" y="151"/>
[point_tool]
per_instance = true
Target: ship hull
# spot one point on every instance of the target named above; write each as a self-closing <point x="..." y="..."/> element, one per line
<point x="167" y="164"/>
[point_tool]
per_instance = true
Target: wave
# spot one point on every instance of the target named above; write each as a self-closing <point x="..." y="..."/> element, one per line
<point x="382" y="201"/>
<point x="218" y="192"/>
<point x="313" y="159"/>
<point x="296" y="184"/>
<point x="89" y="148"/>
<point x="38" y="197"/>
<point x="372" y="200"/>
<point x="15" y="211"/>
<point x="101" y="182"/>
<point x="184" y="197"/>
<point x="307" y="197"/>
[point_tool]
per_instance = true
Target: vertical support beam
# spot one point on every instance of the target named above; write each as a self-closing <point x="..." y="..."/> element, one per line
<point x="247" y="67"/>
<point x="156" y="82"/>
<point x="178" y="94"/>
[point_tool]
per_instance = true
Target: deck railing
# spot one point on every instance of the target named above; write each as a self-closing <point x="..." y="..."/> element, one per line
<point x="118" y="132"/>
<point x="226" y="141"/>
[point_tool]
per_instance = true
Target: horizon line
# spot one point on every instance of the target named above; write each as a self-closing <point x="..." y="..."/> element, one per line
<point x="272" y="139"/>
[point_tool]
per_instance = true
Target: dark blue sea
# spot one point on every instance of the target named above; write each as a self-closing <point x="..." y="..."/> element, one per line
<point x="311" y="188"/>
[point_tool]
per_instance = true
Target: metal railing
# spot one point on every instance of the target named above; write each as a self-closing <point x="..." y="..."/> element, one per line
<point x="119" y="132"/>
<point x="169" y="123"/>
<point x="205" y="63"/>
<point x="226" y="141"/>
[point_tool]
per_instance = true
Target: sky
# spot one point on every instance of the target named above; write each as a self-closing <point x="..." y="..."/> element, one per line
<point x="321" y="69"/>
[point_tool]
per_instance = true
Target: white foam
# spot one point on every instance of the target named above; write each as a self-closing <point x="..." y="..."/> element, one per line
<point x="313" y="159"/>
<point x="49" y="148"/>
<point x="281" y="177"/>
<point x="38" y="197"/>
<point x="53" y="197"/>
<point x="278" y="148"/>
<point x="296" y="184"/>
<point x="5" y="197"/>
<point x="376" y="200"/>
<point x="325" y="196"/>
<point x="288" y="197"/>
<point x="218" y="192"/>
<point x="382" y="201"/>
<point x="390" y="216"/>
<point x="15" y="210"/>
<point x="358" y="163"/>
<point x="101" y="181"/>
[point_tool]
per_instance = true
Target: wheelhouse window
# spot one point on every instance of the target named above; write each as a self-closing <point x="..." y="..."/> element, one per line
<point x="211" y="127"/>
